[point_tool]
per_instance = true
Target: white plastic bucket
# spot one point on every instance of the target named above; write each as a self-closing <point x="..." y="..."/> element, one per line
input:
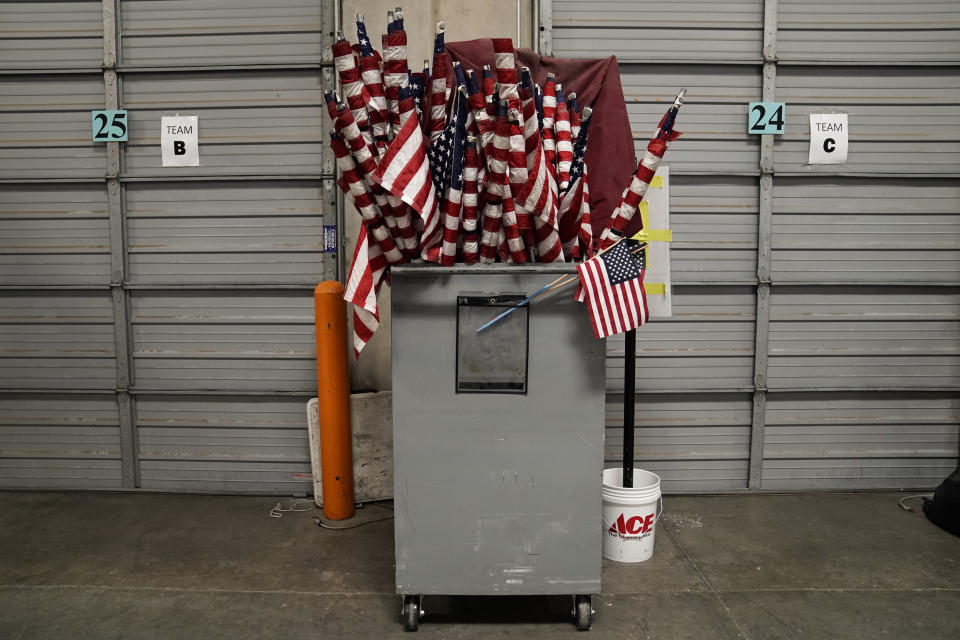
<point x="630" y="515"/>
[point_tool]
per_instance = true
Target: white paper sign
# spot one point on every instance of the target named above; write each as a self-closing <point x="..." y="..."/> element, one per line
<point x="178" y="141"/>
<point x="828" y="138"/>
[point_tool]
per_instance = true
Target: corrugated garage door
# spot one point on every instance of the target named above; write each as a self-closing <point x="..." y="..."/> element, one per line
<point x="156" y="324"/>
<point x="815" y="341"/>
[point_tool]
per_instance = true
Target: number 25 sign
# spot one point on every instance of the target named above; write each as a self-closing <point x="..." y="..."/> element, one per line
<point x="766" y="117"/>
<point x="109" y="125"/>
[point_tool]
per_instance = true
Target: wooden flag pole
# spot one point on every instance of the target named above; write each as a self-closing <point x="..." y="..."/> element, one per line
<point x="629" y="396"/>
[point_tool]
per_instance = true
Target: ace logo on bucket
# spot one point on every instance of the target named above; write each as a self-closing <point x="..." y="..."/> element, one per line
<point x="632" y="527"/>
<point x="630" y="515"/>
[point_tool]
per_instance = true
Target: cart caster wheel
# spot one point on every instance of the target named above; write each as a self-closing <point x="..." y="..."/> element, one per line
<point x="584" y="612"/>
<point x="411" y="613"/>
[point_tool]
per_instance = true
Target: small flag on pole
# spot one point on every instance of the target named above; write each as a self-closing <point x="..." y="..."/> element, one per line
<point x="612" y="284"/>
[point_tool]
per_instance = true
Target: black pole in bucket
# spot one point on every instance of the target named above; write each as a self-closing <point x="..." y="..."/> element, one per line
<point x="629" y="395"/>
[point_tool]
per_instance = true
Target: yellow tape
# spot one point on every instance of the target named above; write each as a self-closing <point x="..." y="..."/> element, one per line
<point x="660" y="235"/>
<point x="655" y="288"/>
<point x="647" y="234"/>
<point x="653" y="235"/>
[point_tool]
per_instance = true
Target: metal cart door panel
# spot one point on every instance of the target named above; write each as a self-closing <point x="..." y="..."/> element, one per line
<point x="495" y="493"/>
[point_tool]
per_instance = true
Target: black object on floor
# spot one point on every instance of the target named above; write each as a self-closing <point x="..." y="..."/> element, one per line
<point x="943" y="509"/>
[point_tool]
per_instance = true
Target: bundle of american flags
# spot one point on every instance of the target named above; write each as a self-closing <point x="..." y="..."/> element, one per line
<point x="446" y="167"/>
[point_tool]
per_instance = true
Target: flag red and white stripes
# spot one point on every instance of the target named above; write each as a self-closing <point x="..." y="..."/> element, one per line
<point x="471" y="180"/>
<point x="352" y="83"/>
<point x="549" y="122"/>
<point x="633" y="194"/>
<point x="394" y="73"/>
<point x="574" y="202"/>
<point x="353" y="185"/>
<point x="575" y="115"/>
<point x="377" y="109"/>
<point x="367" y="272"/>
<point x="504" y="63"/>
<point x="541" y="199"/>
<point x="612" y="286"/>
<point x="521" y="190"/>
<point x="405" y="172"/>
<point x="564" y="141"/>
<point x="438" y="87"/>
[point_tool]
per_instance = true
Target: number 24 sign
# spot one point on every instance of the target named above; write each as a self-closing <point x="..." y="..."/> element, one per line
<point x="766" y="117"/>
<point x="109" y="125"/>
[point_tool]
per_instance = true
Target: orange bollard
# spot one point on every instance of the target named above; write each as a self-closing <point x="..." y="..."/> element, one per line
<point x="333" y="391"/>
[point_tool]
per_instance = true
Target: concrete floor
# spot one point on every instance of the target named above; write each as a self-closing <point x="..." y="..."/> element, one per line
<point x="158" y="566"/>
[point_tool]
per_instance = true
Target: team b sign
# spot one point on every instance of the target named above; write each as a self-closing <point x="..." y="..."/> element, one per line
<point x="178" y="141"/>
<point x="828" y="138"/>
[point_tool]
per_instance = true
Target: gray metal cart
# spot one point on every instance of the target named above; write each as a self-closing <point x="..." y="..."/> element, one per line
<point x="497" y="436"/>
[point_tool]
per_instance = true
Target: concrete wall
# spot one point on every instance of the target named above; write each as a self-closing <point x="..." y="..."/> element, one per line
<point x="465" y="21"/>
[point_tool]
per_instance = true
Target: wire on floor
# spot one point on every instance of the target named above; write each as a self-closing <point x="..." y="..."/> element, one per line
<point x="292" y="507"/>
<point x="905" y="498"/>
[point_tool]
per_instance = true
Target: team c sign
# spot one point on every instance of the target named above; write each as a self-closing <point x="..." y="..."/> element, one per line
<point x="828" y="138"/>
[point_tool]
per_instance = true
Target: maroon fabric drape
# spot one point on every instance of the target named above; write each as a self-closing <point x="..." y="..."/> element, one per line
<point x="610" y="153"/>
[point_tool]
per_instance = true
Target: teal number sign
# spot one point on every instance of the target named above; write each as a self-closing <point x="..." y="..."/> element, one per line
<point x="109" y="125"/>
<point x="766" y="117"/>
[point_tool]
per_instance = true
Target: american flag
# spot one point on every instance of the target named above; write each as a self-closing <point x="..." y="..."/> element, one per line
<point x="438" y="87"/>
<point x="508" y="243"/>
<point x="505" y="64"/>
<point x="612" y="284"/>
<point x="370" y="73"/>
<point x="367" y="272"/>
<point x="548" y="119"/>
<point x="443" y="151"/>
<point x="404" y="172"/>
<point x="483" y="125"/>
<point x="488" y="87"/>
<point x="417" y="84"/>
<point x="446" y="159"/>
<point x="586" y="221"/>
<point x="357" y="95"/>
<point x="408" y="165"/>
<point x="363" y="40"/>
<point x="575" y="202"/>
<point x="394" y="72"/>
<point x="564" y="144"/>
<point x="539" y="195"/>
<point x="575" y="115"/>
<point x="538" y="100"/>
<point x="471" y="178"/>
<point x="352" y="184"/>
<point x="633" y="194"/>
<point x="377" y="110"/>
